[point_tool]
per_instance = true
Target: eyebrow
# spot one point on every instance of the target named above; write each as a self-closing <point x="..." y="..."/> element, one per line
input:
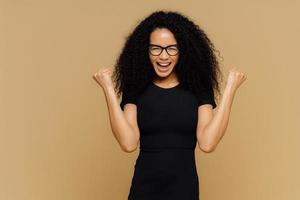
<point x="161" y="46"/>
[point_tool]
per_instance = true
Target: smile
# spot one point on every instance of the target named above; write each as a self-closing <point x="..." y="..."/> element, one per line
<point x="163" y="64"/>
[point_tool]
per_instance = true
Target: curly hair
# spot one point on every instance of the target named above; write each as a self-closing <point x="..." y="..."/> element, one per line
<point x="197" y="67"/>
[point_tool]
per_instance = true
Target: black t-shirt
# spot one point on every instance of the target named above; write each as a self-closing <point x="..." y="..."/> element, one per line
<point x="167" y="117"/>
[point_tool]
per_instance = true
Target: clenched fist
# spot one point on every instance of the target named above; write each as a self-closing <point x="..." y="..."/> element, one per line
<point x="235" y="79"/>
<point x="103" y="77"/>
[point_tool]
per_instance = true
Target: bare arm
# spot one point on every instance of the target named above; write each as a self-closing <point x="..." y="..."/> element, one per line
<point x="211" y="128"/>
<point x="123" y="123"/>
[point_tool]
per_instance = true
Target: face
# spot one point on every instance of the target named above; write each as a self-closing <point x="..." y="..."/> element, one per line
<point x="163" y="63"/>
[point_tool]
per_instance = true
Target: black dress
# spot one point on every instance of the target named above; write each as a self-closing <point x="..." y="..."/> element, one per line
<point x="165" y="168"/>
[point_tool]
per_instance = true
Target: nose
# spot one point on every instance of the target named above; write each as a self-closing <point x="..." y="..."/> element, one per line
<point x="164" y="54"/>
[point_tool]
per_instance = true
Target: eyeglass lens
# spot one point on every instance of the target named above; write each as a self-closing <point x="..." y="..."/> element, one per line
<point x="157" y="50"/>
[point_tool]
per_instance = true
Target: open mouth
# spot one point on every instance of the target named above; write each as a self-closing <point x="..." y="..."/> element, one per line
<point x="163" y="67"/>
<point x="163" y="64"/>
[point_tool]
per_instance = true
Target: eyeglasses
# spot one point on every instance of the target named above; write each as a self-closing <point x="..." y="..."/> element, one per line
<point x="156" y="50"/>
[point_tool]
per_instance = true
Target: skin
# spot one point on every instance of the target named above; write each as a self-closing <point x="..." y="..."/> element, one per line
<point x="211" y="127"/>
<point x="164" y="37"/>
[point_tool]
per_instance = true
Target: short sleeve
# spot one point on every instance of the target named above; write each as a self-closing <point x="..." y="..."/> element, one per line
<point x="206" y="98"/>
<point x="127" y="98"/>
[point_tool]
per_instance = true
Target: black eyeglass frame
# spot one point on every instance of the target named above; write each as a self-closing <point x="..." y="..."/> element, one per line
<point x="162" y="48"/>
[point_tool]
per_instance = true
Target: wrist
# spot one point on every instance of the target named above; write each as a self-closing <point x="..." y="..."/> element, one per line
<point x="230" y="89"/>
<point x="108" y="89"/>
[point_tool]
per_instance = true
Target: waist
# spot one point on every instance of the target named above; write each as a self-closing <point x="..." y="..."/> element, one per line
<point x="166" y="158"/>
<point x="167" y="141"/>
<point x="147" y="149"/>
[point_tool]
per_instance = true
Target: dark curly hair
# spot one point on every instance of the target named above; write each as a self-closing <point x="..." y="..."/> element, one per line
<point x="197" y="67"/>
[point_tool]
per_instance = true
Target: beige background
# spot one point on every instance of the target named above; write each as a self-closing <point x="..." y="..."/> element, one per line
<point x="55" y="139"/>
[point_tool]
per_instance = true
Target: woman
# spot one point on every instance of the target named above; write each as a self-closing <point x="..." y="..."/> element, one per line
<point x="167" y="73"/>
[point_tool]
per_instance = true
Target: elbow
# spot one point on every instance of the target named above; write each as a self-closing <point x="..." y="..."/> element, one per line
<point x="129" y="148"/>
<point x="207" y="148"/>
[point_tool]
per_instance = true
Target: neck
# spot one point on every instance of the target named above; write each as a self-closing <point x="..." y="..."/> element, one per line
<point x="166" y="81"/>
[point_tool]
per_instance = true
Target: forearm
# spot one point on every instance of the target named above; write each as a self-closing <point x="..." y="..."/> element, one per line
<point x="216" y="129"/>
<point x="120" y="127"/>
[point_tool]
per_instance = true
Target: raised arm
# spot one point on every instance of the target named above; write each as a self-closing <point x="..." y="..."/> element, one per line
<point x="211" y="128"/>
<point x="123" y="123"/>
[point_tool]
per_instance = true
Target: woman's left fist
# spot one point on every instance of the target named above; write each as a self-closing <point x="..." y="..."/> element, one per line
<point x="235" y="78"/>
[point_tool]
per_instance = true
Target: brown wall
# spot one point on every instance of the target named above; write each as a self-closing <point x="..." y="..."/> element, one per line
<point x="55" y="137"/>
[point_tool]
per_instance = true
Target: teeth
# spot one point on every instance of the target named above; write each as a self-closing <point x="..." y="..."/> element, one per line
<point x="164" y="64"/>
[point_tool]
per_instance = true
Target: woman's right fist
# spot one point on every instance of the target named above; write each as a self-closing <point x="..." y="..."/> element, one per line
<point x="103" y="77"/>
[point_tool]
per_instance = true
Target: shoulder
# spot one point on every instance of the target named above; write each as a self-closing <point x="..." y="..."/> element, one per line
<point x="206" y="97"/>
<point x="128" y="97"/>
